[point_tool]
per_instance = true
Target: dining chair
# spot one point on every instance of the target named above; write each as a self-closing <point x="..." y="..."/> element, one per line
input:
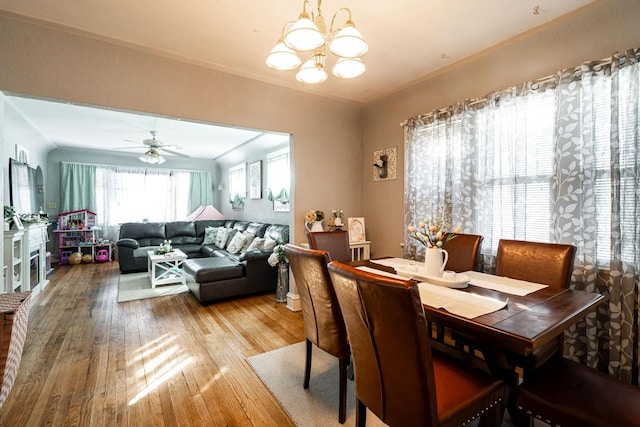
<point x="396" y="375"/>
<point x="323" y="322"/>
<point x="547" y="263"/>
<point x="464" y="252"/>
<point x="567" y="393"/>
<point x="334" y="242"/>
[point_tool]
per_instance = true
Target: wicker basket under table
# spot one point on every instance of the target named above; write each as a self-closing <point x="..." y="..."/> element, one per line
<point x="14" y="309"/>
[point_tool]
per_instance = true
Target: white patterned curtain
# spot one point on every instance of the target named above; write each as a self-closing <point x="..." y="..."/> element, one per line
<point x="554" y="160"/>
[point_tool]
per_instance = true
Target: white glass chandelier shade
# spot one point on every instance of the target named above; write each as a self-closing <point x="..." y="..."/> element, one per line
<point x="312" y="72"/>
<point x="348" y="42"/>
<point x="282" y="58"/>
<point x="349" y="68"/>
<point x="152" y="157"/>
<point x="304" y="35"/>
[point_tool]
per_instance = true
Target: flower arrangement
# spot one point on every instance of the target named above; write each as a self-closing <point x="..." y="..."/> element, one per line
<point x="337" y="214"/>
<point x="313" y="215"/>
<point x="164" y="248"/>
<point x="278" y="256"/>
<point x="434" y="233"/>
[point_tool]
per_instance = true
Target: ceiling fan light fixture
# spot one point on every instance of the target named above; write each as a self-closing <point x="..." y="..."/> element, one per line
<point x="152" y="157"/>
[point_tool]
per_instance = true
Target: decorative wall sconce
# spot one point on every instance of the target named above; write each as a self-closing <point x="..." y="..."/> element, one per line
<point x="381" y="166"/>
<point x="385" y="164"/>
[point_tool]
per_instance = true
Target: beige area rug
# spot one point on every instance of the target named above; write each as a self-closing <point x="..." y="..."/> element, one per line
<point x="282" y="371"/>
<point x="135" y="286"/>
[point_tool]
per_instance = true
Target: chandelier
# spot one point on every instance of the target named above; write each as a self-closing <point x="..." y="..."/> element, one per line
<point x="309" y="35"/>
<point x="153" y="157"/>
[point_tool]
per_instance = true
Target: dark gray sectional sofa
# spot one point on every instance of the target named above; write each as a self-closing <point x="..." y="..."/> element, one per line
<point x="213" y="272"/>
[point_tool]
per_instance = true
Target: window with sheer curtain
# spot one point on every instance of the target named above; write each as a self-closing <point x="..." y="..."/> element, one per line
<point x="278" y="176"/>
<point x="238" y="184"/>
<point x="129" y="194"/>
<point x="555" y="160"/>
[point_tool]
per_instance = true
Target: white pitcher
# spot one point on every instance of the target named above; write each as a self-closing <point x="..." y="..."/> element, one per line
<point x="315" y="226"/>
<point x="434" y="263"/>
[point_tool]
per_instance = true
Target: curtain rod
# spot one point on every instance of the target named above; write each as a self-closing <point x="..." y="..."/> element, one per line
<point x="138" y="167"/>
<point x="628" y="56"/>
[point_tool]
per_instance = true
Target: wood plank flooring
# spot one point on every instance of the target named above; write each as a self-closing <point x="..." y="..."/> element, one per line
<point x="167" y="361"/>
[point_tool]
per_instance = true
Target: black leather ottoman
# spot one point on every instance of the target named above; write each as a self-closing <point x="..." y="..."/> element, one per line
<point x="211" y="279"/>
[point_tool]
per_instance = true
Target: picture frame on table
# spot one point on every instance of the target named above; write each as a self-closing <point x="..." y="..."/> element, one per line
<point x="281" y="207"/>
<point x="356" y="229"/>
<point x="255" y="180"/>
<point x="17" y="224"/>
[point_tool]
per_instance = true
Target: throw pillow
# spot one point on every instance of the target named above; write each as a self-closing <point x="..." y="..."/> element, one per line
<point x="269" y="243"/>
<point x="248" y="239"/>
<point x="210" y="234"/>
<point x="221" y="237"/>
<point x="236" y="243"/>
<point x="256" y="245"/>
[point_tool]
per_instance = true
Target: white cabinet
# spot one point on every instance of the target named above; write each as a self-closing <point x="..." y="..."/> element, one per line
<point x="36" y="238"/>
<point x="16" y="272"/>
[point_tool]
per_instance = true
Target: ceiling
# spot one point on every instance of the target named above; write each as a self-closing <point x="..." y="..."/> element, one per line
<point x="408" y="40"/>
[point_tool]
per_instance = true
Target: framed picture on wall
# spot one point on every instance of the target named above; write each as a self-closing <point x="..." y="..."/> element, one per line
<point x="356" y="229"/>
<point x="280" y="207"/>
<point x="255" y="180"/>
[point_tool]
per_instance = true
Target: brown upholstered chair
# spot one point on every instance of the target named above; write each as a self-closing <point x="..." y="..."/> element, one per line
<point x="334" y="242"/>
<point x="396" y="375"/>
<point x="464" y="252"/>
<point x="566" y="393"/>
<point x="323" y="322"/>
<point x="547" y="263"/>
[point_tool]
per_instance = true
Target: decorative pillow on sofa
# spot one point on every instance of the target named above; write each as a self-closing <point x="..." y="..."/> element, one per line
<point x="248" y="239"/>
<point x="221" y="237"/>
<point x="269" y="243"/>
<point x="236" y="243"/>
<point x="210" y="234"/>
<point x="256" y="245"/>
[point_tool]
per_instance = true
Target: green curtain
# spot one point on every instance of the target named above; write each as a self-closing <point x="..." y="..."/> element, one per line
<point x="201" y="190"/>
<point x="77" y="187"/>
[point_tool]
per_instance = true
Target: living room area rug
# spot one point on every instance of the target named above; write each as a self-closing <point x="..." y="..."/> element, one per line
<point x="282" y="372"/>
<point x="136" y="286"/>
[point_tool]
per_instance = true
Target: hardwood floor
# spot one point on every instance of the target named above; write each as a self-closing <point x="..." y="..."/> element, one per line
<point x="167" y="361"/>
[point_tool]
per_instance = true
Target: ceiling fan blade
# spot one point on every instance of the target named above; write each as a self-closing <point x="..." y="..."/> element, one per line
<point x="129" y="148"/>
<point x="175" y="153"/>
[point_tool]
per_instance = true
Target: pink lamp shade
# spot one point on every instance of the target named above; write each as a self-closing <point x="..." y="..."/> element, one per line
<point x="204" y="213"/>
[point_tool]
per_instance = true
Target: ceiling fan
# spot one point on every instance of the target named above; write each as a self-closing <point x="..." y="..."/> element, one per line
<point x="154" y="149"/>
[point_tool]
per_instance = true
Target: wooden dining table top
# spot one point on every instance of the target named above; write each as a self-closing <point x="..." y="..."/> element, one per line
<point x="525" y="324"/>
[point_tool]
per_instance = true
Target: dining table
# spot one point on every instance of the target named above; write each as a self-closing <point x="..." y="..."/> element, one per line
<point x="509" y="336"/>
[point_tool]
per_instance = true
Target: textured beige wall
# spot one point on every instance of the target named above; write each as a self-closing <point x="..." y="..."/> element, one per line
<point x="593" y="33"/>
<point x="327" y="134"/>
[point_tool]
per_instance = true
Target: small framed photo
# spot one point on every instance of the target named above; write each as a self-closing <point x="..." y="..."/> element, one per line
<point x="17" y="224"/>
<point x="255" y="180"/>
<point x="280" y="207"/>
<point x="356" y="229"/>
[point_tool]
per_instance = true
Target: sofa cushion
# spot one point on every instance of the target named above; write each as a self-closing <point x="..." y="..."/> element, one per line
<point x="236" y="243"/>
<point x="210" y="234"/>
<point x="181" y="232"/>
<point x="256" y="245"/>
<point x="190" y="249"/>
<point x="146" y="233"/>
<point x="249" y="237"/>
<point x="257" y="228"/>
<point x="241" y="225"/>
<point x="279" y="233"/>
<point x="204" y="270"/>
<point x="221" y="237"/>
<point x="269" y="243"/>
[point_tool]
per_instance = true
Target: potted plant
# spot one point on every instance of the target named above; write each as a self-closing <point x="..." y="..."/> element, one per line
<point x="9" y="213"/>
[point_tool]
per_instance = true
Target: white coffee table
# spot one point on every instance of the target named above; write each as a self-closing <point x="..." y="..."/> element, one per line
<point x="165" y="268"/>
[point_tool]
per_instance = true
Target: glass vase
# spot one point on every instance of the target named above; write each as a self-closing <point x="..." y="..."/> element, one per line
<point x="283" y="282"/>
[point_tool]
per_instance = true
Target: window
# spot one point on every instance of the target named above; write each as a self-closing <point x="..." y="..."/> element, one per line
<point x="238" y="184"/>
<point x="278" y="176"/>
